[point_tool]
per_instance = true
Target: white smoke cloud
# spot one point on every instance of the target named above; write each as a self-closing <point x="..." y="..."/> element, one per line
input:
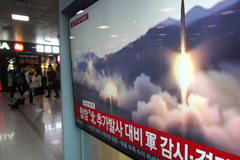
<point x="213" y="110"/>
<point x="142" y="89"/>
<point x="220" y="88"/>
<point x="127" y="97"/>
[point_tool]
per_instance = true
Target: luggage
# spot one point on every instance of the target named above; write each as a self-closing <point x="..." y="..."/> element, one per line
<point x="17" y="101"/>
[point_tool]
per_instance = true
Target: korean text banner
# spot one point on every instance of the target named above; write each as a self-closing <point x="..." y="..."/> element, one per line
<point x="159" y="79"/>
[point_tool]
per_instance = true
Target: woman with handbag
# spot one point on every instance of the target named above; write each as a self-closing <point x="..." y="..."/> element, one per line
<point x="36" y="84"/>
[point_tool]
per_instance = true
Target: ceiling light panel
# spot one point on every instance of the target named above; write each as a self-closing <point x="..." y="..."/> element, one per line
<point x="81" y="11"/>
<point x="20" y="17"/>
<point x="114" y="36"/>
<point x="103" y="27"/>
<point x="20" y="2"/>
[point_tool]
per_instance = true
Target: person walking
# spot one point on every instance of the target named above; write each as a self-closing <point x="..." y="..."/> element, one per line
<point x="26" y="85"/>
<point x="52" y="83"/>
<point x="14" y="83"/>
<point x="58" y="71"/>
<point x="38" y="92"/>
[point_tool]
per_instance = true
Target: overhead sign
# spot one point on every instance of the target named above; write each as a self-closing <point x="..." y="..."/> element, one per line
<point x="18" y="47"/>
<point x="4" y="45"/>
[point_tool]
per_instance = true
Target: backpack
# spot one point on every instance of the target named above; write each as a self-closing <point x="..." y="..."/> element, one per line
<point x="57" y="76"/>
<point x="20" y="78"/>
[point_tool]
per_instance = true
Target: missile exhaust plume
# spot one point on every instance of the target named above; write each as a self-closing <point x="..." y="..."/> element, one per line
<point x="183" y="65"/>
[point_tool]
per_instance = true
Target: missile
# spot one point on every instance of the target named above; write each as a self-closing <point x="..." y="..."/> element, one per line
<point x="89" y="55"/>
<point x="183" y="28"/>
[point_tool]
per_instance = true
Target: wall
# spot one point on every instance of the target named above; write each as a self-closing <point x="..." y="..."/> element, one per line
<point x="75" y="142"/>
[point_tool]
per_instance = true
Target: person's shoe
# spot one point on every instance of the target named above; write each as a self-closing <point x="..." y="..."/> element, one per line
<point x="31" y="104"/>
<point x="56" y="95"/>
<point x="48" y="96"/>
<point x="40" y="110"/>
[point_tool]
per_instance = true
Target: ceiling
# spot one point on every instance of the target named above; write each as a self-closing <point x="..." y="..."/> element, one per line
<point x="42" y="27"/>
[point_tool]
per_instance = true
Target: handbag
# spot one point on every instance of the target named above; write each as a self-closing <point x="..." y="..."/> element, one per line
<point x="34" y="85"/>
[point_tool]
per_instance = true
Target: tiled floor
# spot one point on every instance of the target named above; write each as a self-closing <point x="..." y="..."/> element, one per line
<point x="28" y="135"/>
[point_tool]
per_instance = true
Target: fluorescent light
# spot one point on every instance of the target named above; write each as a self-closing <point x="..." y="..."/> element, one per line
<point x="40" y="48"/>
<point x="210" y="26"/>
<point x="162" y="34"/>
<point x="49" y="40"/>
<point x="103" y="27"/>
<point x="167" y="9"/>
<point x="20" y="17"/>
<point x="160" y="27"/>
<point x="134" y="21"/>
<point x="227" y="12"/>
<point x="81" y="11"/>
<point x="71" y="37"/>
<point x="48" y="49"/>
<point x="55" y="49"/>
<point x="114" y="36"/>
<point x="40" y="41"/>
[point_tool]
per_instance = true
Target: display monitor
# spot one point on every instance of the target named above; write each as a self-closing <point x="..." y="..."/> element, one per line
<point x="159" y="79"/>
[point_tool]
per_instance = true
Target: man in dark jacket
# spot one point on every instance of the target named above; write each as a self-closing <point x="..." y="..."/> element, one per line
<point x="58" y="71"/>
<point x="52" y="83"/>
<point x="14" y="83"/>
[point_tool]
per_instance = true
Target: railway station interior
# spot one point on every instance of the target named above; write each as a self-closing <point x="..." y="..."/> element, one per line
<point x="138" y="79"/>
<point x="24" y="133"/>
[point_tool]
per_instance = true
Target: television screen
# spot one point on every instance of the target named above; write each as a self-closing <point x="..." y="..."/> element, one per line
<point x="159" y="79"/>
